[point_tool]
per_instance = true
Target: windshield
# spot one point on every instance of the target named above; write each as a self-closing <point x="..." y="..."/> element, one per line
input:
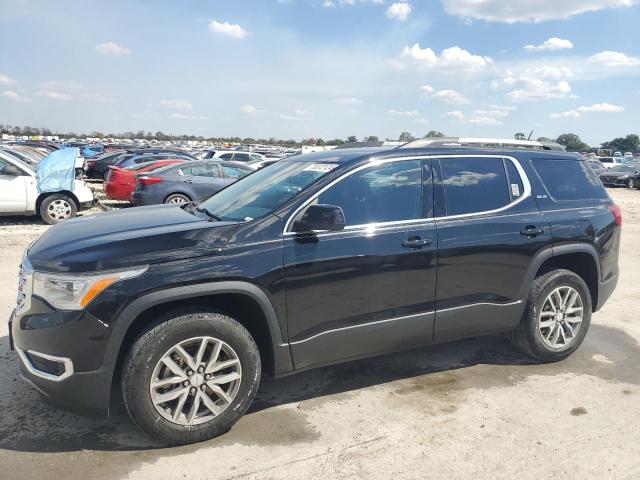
<point x="622" y="169"/>
<point x="262" y="192"/>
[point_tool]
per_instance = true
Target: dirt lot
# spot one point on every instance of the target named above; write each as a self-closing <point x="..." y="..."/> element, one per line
<point x="471" y="409"/>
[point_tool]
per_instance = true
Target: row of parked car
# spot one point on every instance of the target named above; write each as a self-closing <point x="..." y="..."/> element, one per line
<point x="617" y="171"/>
<point x="152" y="176"/>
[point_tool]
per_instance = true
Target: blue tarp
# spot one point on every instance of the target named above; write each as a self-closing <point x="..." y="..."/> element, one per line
<point x="92" y="150"/>
<point x="57" y="171"/>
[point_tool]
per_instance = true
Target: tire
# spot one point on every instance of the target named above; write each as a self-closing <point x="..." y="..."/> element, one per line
<point x="533" y="338"/>
<point x="58" y="207"/>
<point x="106" y="175"/>
<point x="631" y="184"/>
<point x="177" y="198"/>
<point x="143" y="364"/>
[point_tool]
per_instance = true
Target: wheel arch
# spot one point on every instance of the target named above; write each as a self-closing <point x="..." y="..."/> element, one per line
<point x="41" y="198"/>
<point x="244" y="301"/>
<point x="580" y="258"/>
<point x="177" y="193"/>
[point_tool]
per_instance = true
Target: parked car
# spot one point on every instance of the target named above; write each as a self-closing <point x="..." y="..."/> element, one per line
<point x="622" y="176"/>
<point x="312" y="261"/>
<point x="120" y="182"/>
<point x="19" y="194"/>
<point x="610" y="162"/>
<point x="98" y="166"/>
<point x="132" y="159"/>
<point x="234" y="155"/>
<point x="184" y="183"/>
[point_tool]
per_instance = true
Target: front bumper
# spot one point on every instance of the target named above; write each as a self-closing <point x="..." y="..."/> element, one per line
<point x="55" y="362"/>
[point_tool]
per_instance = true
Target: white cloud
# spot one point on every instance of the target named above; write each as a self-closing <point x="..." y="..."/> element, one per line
<point x="403" y="113"/>
<point x="399" y="11"/>
<point x="248" y="109"/>
<point x="328" y="4"/>
<point x="528" y="10"/>
<point x="4" y="80"/>
<point x="453" y="58"/>
<point x="15" y="96"/>
<point x="490" y="116"/>
<point x="182" y="116"/>
<point x="595" y="108"/>
<point x="447" y="96"/>
<point x="54" y="94"/>
<point x="536" y="83"/>
<point x="450" y="96"/>
<point x="456" y="115"/>
<point x="348" y="101"/>
<point x="420" y="121"/>
<point x="232" y="30"/>
<point x="176" y="104"/>
<point x="554" y="43"/>
<point x="112" y="49"/>
<point x="610" y="59"/>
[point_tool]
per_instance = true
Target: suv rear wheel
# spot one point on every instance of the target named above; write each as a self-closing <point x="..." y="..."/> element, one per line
<point x="191" y="377"/>
<point x="556" y="318"/>
<point x="56" y="208"/>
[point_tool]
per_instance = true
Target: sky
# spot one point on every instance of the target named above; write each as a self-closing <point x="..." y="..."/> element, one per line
<point x="323" y="68"/>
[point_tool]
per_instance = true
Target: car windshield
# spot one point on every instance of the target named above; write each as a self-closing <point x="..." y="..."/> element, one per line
<point x="262" y="192"/>
<point x="622" y="169"/>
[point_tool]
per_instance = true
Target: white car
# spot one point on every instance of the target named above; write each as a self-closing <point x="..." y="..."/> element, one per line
<point x="19" y="194"/>
<point x="610" y="162"/>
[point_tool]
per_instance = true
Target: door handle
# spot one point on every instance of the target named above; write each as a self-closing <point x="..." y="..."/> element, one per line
<point x="531" y="231"/>
<point x="416" y="242"/>
<point x="188" y="181"/>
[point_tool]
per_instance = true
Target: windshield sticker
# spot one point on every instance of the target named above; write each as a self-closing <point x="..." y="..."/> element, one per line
<point x="320" y="167"/>
<point x="515" y="189"/>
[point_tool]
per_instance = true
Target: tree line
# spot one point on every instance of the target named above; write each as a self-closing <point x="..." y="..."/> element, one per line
<point x="571" y="141"/>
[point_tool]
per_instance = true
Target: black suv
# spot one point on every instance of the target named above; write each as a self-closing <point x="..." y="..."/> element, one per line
<point x="313" y="260"/>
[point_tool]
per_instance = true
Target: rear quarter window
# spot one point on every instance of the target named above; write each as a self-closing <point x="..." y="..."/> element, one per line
<point x="567" y="179"/>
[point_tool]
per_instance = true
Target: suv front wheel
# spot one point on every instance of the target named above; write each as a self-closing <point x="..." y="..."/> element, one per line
<point x="191" y="377"/>
<point x="556" y="318"/>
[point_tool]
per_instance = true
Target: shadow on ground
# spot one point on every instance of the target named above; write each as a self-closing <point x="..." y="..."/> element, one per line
<point x="27" y="424"/>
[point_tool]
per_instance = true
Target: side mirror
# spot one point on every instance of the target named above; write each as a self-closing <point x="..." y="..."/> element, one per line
<point x="321" y="217"/>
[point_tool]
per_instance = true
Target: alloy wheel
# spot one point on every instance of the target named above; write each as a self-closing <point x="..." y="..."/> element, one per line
<point x="195" y="381"/>
<point x="560" y="317"/>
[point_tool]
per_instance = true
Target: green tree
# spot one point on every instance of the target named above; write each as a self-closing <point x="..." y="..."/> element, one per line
<point x="520" y="136"/>
<point x="630" y="143"/>
<point x="434" y="133"/>
<point x="406" y="137"/>
<point x="572" y="142"/>
<point x="352" y="139"/>
<point x="371" y="138"/>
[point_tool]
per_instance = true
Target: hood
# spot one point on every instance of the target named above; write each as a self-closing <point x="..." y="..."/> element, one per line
<point x="614" y="174"/>
<point x="124" y="238"/>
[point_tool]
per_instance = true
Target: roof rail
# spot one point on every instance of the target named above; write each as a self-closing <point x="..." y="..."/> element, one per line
<point x="482" y="142"/>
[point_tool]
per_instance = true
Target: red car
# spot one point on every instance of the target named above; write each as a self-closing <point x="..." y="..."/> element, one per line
<point x="121" y="182"/>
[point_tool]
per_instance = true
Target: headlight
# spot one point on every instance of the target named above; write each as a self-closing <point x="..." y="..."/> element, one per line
<point x="75" y="291"/>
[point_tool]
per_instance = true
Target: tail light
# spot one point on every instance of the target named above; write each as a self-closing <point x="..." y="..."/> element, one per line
<point x="148" y="180"/>
<point x="617" y="213"/>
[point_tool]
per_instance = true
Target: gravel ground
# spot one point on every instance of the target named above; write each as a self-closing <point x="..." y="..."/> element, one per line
<point x="470" y="409"/>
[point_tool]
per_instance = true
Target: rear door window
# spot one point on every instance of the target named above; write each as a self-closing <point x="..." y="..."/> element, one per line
<point x="475" y="184"/>
<point x="568" y="179"/>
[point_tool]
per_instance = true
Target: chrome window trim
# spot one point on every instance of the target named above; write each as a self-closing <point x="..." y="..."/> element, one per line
<point x="372" y="226"/>
<point x="66" y="362"/>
